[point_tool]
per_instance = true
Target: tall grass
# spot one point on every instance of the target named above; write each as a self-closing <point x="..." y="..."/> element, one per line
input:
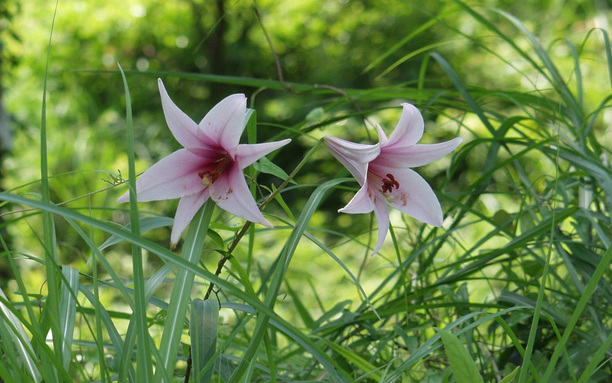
<point x="515" y="287"/>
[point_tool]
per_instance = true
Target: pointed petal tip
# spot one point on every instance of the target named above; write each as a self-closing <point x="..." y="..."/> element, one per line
<point x="437" y="223"/>
<point x="382" y="137"/>
<point x="266" y="224"/>
<point x="160" y="86"/>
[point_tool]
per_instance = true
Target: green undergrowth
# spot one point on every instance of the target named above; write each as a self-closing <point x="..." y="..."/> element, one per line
<point x="514" y="287"/>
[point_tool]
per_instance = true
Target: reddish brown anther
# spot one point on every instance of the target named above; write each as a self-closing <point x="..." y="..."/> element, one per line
<point x="389" y="183"/>
<point x="210" y="176"/>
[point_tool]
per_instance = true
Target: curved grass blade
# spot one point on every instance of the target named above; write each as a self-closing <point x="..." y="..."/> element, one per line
<point x="326" y="361"/>
<point x="144" y="366"/>
<point x="111" y="330"/>
<point x="20" y="340"/>
<point x="602" y="267"/>
<point x="279" y="272"/>
<point x="49" y="242"/>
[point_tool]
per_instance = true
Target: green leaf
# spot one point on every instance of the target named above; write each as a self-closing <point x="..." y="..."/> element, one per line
<point x="67" y="311"/>
<point x="23" y="347"/>
<point x="204" y="327"/>
<point x="144" y="363"/>
<point x="146" y="224"/>
<point x="462" y="364"/>
<point x="511" y="377"/>
<point x="283" y="204"/>
<point x="264" y="165"/>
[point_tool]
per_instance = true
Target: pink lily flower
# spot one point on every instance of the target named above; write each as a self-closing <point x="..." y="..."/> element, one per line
<point x="383" y="171"/>
<point x="209" y="166"/>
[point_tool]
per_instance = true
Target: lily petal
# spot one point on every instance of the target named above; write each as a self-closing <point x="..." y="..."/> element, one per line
<point x="353" y="156"/>
<point x="246" y="154"/>
<point x="224" y="123"/>
<point x="382" y="137"/>
<point x="409" y="129"/>
<point x="414" y="196"/>
<point x="173" y="176"/>
<point x="187" y="208"/>
<point x="183" y="128"/>
<point x="416" y="155"/>
<point x="361" y="203"/>
<point x="231" y="193"/>
<point x="382" y="216"/>
<point x="351" y="150"/>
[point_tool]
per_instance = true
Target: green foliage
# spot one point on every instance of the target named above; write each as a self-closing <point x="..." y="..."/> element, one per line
<point x="519" y="274"/>
<point x="462" y="364"/>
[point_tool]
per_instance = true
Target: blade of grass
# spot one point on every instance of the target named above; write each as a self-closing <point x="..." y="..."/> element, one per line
<point x="599" y="272"/>
<point x="181" y="289"/>
<point x="68" y="311"/>
<point x="53" y="293"/>
<point x="39" y="342"/>
<point x="144" y="366"/>
<point x="285" y="258"/>
<point x="599" y="355"/>
<point x="20" y="340"/>
<point x="97" y="305"/>
<point x="38" y="339"/>
<point x="326" y="361"/>
<point x="111" y="330"/>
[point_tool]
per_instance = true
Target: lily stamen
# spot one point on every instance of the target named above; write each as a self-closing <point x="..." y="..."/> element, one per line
<point x="210" y="176"/>
<point x="389" y="183"/>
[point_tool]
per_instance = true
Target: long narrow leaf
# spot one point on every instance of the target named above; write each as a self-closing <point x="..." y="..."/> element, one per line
<point x="204" y="328"/>
<point x="167" y="255"/>
<point x="143" y="354"/>
<point x="21" y="341"/>
<point x="67" y="311"/>
<point x="53" y="297"/>
<point x="283" y="263"/>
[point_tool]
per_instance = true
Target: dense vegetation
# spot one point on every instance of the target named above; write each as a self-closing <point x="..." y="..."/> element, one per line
<point x="514" y="287"/>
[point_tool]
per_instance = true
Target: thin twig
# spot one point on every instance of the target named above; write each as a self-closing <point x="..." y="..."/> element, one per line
<point x="279" y="68"/>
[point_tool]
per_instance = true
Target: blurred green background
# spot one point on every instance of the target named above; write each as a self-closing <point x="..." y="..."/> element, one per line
<point x="342" y="44"/>
<point x="375" y="51"/>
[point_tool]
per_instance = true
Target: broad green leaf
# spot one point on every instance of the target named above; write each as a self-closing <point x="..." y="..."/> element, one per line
<point x="203" y="328"/>
<point x="264" y="165"/>
<point x="511" y="377"/>
<point x="462" y="364"/>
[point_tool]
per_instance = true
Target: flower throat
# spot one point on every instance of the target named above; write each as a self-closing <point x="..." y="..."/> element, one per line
<point x="210" y="176"/>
